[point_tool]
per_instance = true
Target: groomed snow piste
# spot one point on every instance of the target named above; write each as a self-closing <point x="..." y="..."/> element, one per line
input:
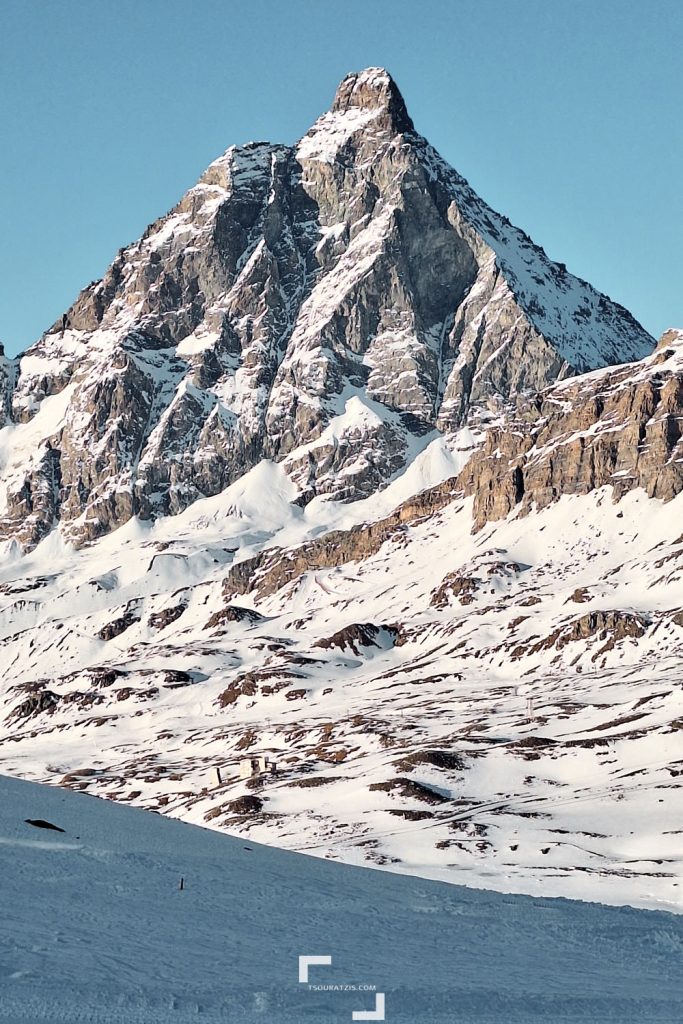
<point x="95" y="928"/>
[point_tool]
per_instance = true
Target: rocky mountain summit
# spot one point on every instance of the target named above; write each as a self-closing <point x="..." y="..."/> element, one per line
<point x="327" y="306"/>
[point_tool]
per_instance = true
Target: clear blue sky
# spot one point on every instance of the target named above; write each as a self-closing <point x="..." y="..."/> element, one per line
<point x="563" y="114"/>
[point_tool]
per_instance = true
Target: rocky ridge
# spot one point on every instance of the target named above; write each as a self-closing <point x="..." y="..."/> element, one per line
<point x="619" y="428"/>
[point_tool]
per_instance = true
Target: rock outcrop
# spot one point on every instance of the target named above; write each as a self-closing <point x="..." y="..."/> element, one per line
<point x="273" y="568"/>
<point x="322" y="305"/>
<point x="8" y="368"/>
<point x="620" y="428"/>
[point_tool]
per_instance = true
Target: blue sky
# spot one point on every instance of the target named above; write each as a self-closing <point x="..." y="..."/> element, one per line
<point x="563" y="114"/>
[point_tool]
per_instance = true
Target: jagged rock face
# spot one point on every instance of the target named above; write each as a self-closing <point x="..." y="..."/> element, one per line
<point x="323" y="304"/>
<point x="619" y="428"/>
<point x="7" y="375"/>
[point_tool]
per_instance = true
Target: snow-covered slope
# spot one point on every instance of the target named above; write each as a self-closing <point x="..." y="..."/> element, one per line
<point x="386" y="665"/>
<point x="95" y="928"/>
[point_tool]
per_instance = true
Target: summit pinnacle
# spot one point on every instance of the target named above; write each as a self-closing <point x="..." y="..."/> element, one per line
<point x="374" y="89"/>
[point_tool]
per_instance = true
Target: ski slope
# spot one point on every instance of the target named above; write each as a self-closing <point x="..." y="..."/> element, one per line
<point x="96" y="929"/>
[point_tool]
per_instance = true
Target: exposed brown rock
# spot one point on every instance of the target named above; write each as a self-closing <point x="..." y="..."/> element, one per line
<point x="245" y="685"/>
<point x="356" y="262"/>
<point x="620" y="428"/>
<point x="410" y="815"/>
<point x="177" y="677"/>
<point x="313" y="781"/>
<point x="374" y="89"/>
<point x="105" y="676"/>
<point x="37" y="704"/>
<point x="159" y="620"/>
<point x="410" y="789"/>
<point x="247" y="804"/>
<point x="609" y="626"/>
<point x="119" y="625"/>
<point x="82" y="698"/>
<point x="355" y="637"/>
<point x="445" y="759"/>
<point x="233" y="614"/>
<point x="580" y="596"/>
<point x="454" y="585"/>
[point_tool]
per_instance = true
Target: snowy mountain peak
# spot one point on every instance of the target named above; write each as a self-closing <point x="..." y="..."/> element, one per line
<point x="327" y="306"/>
<point x="373" y="90"/>
<point x="367" y="107"/>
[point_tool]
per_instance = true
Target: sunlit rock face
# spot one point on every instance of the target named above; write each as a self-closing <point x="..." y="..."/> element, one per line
<point x="619" y="428"/>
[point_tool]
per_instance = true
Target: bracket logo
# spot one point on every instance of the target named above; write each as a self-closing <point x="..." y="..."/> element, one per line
<point x="378" y="1013"/>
